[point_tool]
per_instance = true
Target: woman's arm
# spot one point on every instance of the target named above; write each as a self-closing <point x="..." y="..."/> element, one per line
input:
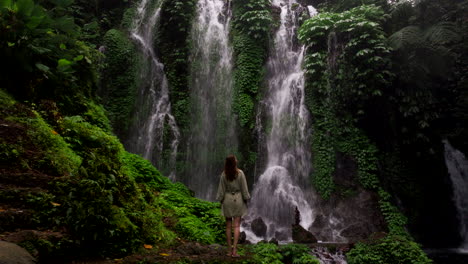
<point x="221" y="189"/>
<point x="244" y="188"/>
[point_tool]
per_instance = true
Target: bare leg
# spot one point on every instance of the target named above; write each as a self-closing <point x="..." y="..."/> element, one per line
<point x="237" y="221"/>
<point x="229" y="234"/>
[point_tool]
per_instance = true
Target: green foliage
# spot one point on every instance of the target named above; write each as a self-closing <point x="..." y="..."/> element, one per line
<point x="119" y="79"/>
<point x="84" y="136"/>
<point x="396" y="221"/>
<point x="197" y="220"/>
<point x="347" y="67"/>
<point x="390" y="249"/>
<point x="142" y="171"/>
<point x="5" y="99"/>
<point x="107" y="201"/>
<point x="58" y="158"/>
<point x="267" y="253"/>
<point x="42" y="56"/>
<point x="344" y="76"/>
<point x="173" y="39"/>
<point x="249" y="43"/>
<point x="96" y="115"/>
<point x="357" y="63"/>
<point x="338" y="6"/>
<point x="251" y="27"/>
<point x="297" y="254"/>
<point x="253" y="18"/>
<point x="422" y="57"/>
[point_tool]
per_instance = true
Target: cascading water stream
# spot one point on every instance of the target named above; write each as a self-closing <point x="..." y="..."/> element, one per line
<point x="212" y="130"/>
<point x="280" y="189"/>
<point x="153" y="117"/>
<point x="457" y="165"/>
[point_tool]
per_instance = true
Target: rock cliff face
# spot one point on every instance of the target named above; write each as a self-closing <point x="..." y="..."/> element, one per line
<point x="351" y="214"/>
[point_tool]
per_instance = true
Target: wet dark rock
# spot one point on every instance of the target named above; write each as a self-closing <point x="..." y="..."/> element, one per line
<point x="320" y="222"/>
<point x="242" y="238"/>
<point x="301" y="235"/>
<point x="281" y="236"/>
<point x="259" y="227"/>
<point x="13" y="254"/>
<point x="351" y="208"/>
<point x="273" y="241"/>
<point x="355" y="231"/>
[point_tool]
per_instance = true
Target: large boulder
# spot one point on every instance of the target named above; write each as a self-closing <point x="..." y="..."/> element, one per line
<point x="259" y="227"/>
<point x="301" y="235"/>
<point x="13" y="254"/>
<point x="242" y="238"/>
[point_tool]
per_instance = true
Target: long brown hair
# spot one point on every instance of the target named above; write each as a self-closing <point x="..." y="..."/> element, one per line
<point x="230" y="167"/>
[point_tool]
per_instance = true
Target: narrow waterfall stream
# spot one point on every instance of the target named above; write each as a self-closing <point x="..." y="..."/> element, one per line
<point x="457" y="165"/>
<point x="280" y="188"/>
<point x="154" y="108"/>
<point x="212" y="127"/>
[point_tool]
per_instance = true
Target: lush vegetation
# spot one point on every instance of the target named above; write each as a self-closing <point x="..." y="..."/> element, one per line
<point x="390" y="249"/>
<point x="375" y="77"/>
<point x="268" y="253"/>
<point x="109" y="201"/>
<point x="58" y="148"/>
<point x="251" y="27"/>
<point x="338" y="97"/>
<point x="386" y="82"/>
<point x="174" y="42"/>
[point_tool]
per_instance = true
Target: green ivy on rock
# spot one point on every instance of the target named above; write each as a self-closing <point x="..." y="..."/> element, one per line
<point x="347" y="66"/>
<point x="173" y="41"/>
<point x="119" y="85"/>
<point x="106" y="200"/>
<point x="251" y="28"/>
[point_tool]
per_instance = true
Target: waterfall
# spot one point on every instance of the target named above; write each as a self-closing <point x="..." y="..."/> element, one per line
<point x="154" y="130"/>
<point x="457" y="165"/>
<point x="212" y="126"/>
<point x="281" y="187"/>
<point x="324" y="256"/>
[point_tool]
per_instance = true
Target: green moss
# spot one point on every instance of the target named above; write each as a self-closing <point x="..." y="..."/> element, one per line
<point x="337" y="96"/>
<point x="119" y="79"/>
<point x="5" y="99"/>
<point x="96" y="115"/>
<point x="58" y="157"/>
<point x="142" y="171"/>
<point x="340" y="87"/>
<point x="173" y="40"/>
<point x="127" y="18"/>
<point x="251" y="31"/>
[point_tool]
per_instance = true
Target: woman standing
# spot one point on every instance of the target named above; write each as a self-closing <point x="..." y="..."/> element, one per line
<point x="233" y="195"/>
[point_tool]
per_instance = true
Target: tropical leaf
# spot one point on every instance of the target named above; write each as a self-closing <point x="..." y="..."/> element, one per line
<point x="407" y="36"/>
<point x="25" y="7"/>
<point x="37" y="17"/>
<point x="42" y="67"/>
<point x="6" y="4"/>
<point x="402" y="12"/>
<point x="442" y="33"/>
<point x="66" y="24"/>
